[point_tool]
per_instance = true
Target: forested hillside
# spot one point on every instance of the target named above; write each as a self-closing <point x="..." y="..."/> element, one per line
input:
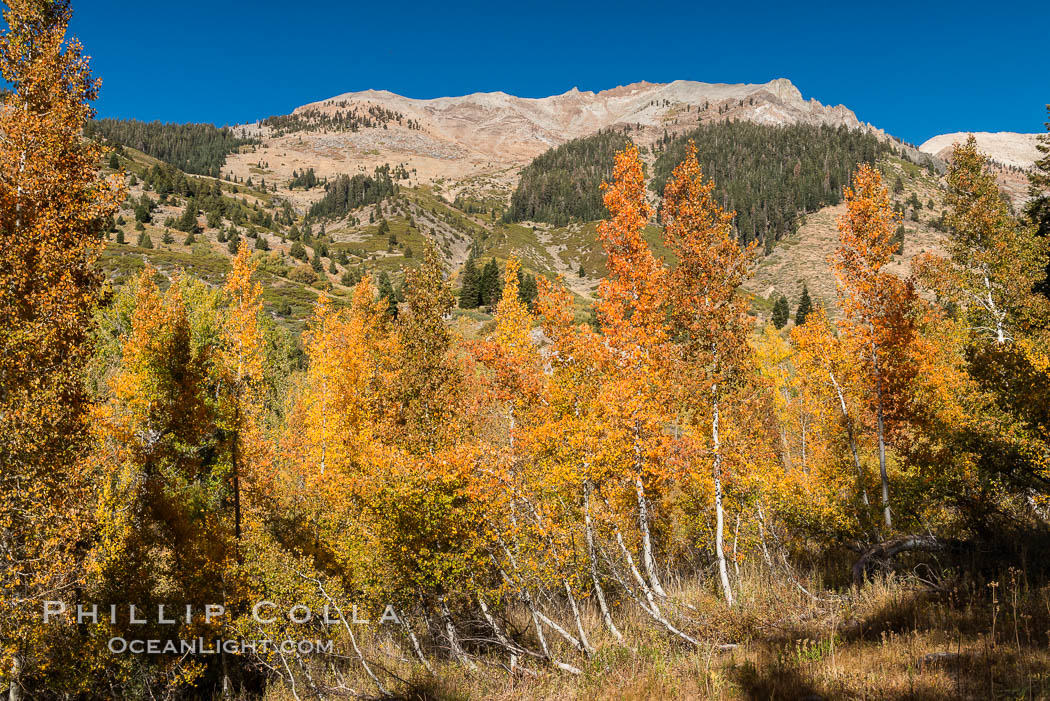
<point x="346" y="193"/>
<point x="193" y="148"/>
<point x="770" y="175"/>
<point x="563" y="184"/>
<point x="344" y="117"/>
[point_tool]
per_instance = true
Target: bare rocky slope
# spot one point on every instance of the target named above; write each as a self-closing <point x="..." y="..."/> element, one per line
<point x="1006" y="147"/>
<point x="450" y="139"/>
<point x="1012" y="156"/>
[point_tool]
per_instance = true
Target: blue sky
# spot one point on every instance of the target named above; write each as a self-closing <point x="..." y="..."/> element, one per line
<point x="915" y="69"/>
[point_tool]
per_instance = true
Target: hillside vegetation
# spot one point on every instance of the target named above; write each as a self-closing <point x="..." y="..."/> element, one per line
<point x="347" y="193"/>
<point x="563" y="184"/>
<point x="193" y="148"/>
<point x="770" y="175"/>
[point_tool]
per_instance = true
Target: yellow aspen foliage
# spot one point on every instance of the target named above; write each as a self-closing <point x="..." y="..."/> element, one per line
<point x="53" y="205"/>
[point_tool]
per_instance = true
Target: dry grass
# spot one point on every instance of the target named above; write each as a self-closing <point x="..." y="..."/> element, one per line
<point x="894" y="638"/>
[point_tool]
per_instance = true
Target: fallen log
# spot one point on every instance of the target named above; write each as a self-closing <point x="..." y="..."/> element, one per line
<point x="890" y="549"/>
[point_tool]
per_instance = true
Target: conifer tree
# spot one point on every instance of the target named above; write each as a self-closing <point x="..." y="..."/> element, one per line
<point x="470" y="287"/>
<point x="1038" y="207"/>
<point x="527" y="290"/>
<point x="491" y="286"/>
<point x="386" y="291"/>
<point x="188" y="220"/>
<point x="805" y="306"/>
<point x="781" y="312"/>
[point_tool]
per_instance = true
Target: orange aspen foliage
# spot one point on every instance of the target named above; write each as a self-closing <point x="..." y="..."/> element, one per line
<point x="880" y="308"/>
<point x="631" y="309"/>
<point x="708" y="316"/>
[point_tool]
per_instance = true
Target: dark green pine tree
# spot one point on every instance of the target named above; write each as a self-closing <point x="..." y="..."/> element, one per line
<point x="781" y="312"/>
<point x="387" y="292"/>
<point x="491" y="285"/>
<point x="1038" y="207"/>
<point x="188" y="220"/>
<point x="805" y="306"/>
<point x="527" y="290"/>
<point x="470" y="290"/>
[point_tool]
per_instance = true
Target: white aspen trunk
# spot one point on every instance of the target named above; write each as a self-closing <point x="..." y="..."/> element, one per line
<point x="882" y="440"/>
<point x="353" y="641"/>
<point x="852" y="440"/>
<point x="536" y="615"/>
<point x="599" y="594"/>
<point x="291" y="677"/>
<point x="14" y="693"/>
<point x="650" y="608"/>
<point x="453" y="637"/>
<point x="736" y="537"/>
<point x="566" y="635"/>
<point x="585" y="644"/>
<point x="415" y="644"/>
<point x="762" y="536"/>
<point x="1000" y="334"/>
<point x="648" y="562"/>
<point x="723" y="574"/>
<point x="510" y="647"/>
<point x="635" y="572"/>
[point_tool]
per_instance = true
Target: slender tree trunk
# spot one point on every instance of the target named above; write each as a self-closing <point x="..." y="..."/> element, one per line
<point x="736" y="538"/>
<point x="236" y="475"/>
<point x="762" y="536"/>
<point x="350" y="634"/>
<point x="788" y="464"/>
<point x="453" y="637"/>
<point x="852" y="440"/>
<point x="882" y="440"/>
<point x="648" y="561"/>
<point x="14" y="693"/>
<point x="650" y="597"/>
<point x="584" y="643"/>
<point x="511" y="648"/>
<point x="649" y="606"/>
<point x="723" y="574"/>
<point x="415" y="643"/>
<point x="599" y="594"/>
